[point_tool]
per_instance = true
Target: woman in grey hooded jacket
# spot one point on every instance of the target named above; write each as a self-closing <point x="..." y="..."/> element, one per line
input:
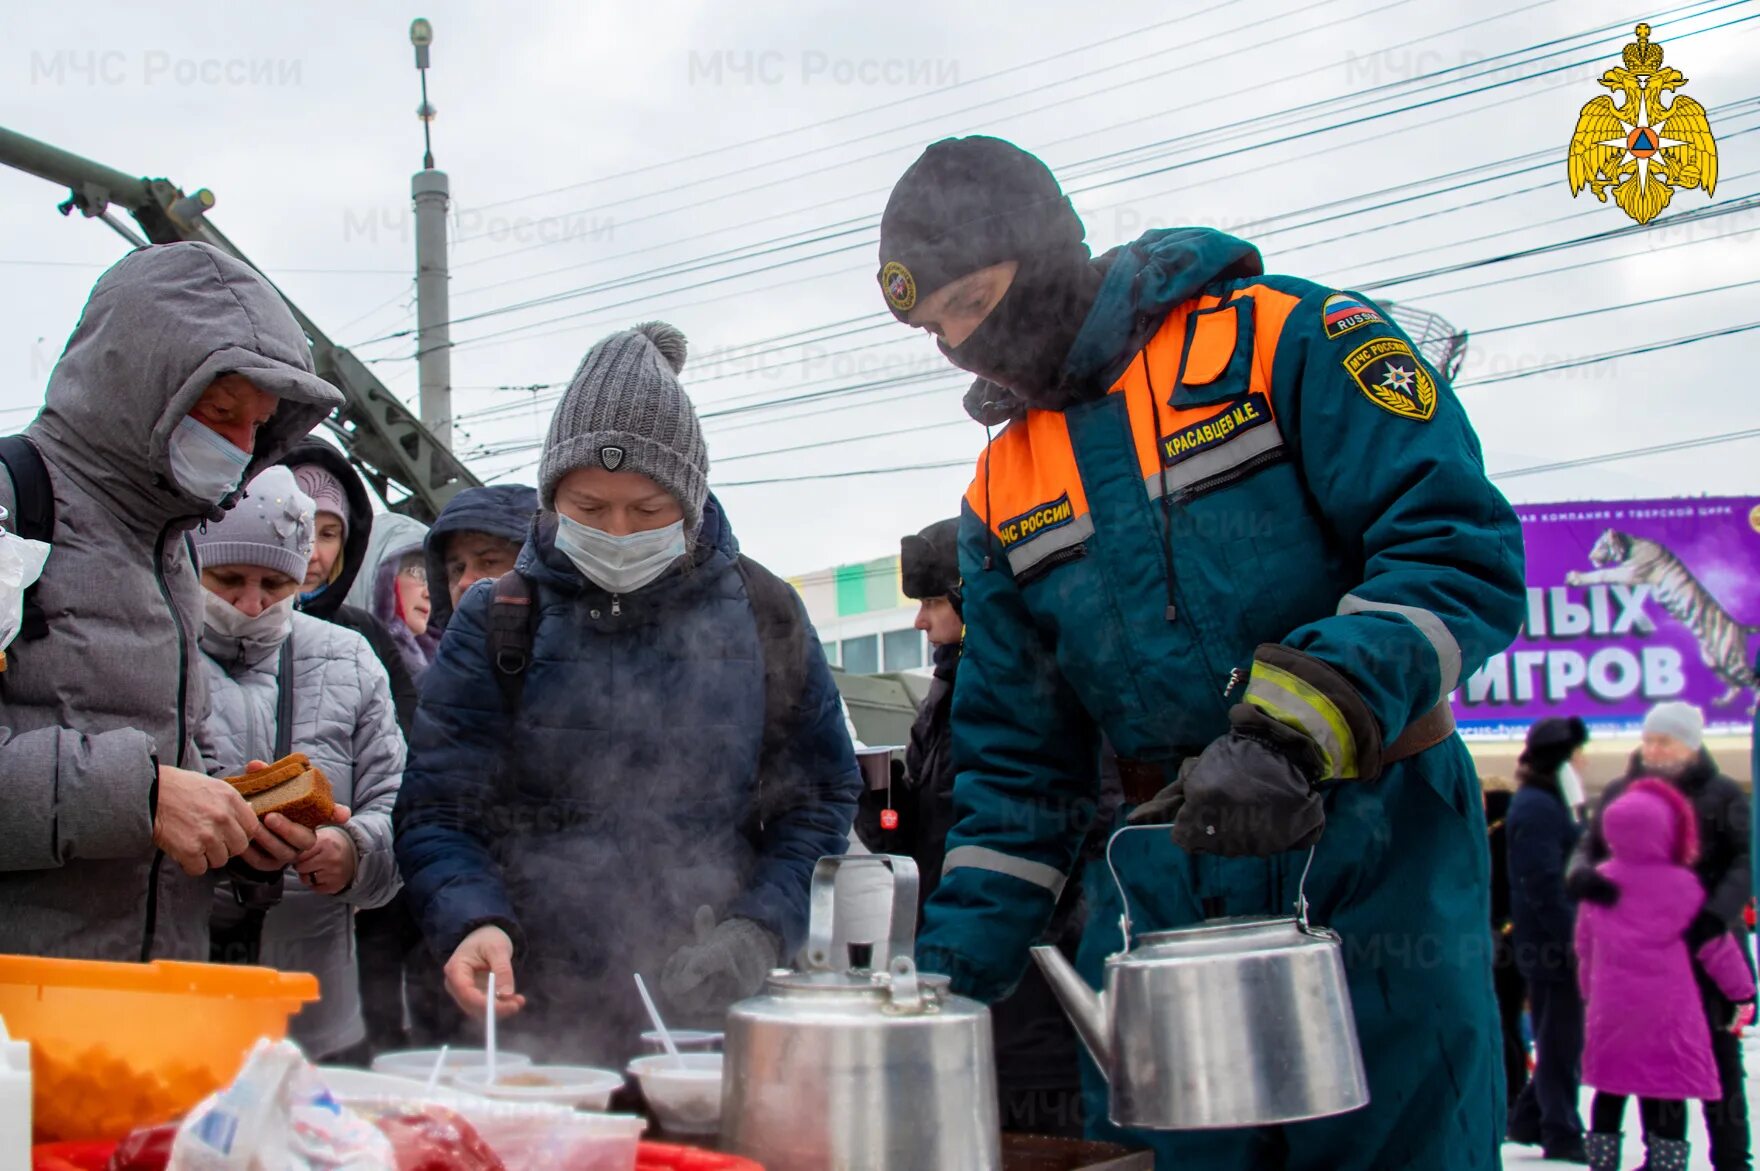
<point x="253" y="646"/>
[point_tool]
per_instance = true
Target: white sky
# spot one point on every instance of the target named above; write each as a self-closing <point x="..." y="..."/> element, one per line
<point x="300" y="119"/>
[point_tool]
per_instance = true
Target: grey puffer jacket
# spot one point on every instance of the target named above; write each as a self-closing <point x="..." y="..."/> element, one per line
<point x="344" y="720"/>
<point x="86" y="712"/>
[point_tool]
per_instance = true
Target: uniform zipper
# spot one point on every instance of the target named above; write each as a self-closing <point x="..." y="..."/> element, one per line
<point x="1222" y="479"/>
<point x="1235" y="675"/>
<point x="1052" y="561"/>
<point x="152" y="924"/>
<point x="616" y="605"/>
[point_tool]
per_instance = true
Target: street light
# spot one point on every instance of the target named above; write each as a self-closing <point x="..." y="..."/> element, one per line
<point x="421" y="35"/>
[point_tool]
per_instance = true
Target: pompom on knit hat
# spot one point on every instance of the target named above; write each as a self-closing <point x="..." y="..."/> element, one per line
<point x="625" y="411"/>
<point x="271" y="527"/>
<point x="327" y="493"/>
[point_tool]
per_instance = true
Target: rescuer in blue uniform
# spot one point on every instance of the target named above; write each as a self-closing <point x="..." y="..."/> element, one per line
<point x="1238" y="525"/>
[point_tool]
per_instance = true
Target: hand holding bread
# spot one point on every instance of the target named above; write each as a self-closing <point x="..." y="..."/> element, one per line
<point x="294" y="800"/>
<point x="201" y="823"/>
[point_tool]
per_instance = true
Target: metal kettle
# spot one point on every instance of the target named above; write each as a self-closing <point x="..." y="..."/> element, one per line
<point x="1233" y="1022"/>
<point x="839" y="1067"/>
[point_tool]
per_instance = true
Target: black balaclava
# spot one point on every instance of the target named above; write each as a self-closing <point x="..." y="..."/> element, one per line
<point x="967" y="204"/>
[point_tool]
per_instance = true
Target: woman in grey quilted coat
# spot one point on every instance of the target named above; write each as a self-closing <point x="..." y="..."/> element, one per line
<point x="293" y="907"/>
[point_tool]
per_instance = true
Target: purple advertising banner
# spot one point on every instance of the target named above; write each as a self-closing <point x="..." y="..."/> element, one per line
<point x="1629" y="603"/>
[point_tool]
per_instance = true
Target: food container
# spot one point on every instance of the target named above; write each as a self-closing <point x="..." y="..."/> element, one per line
<point x="687" y="1040"/>
<point x="348" y="1086"/>
<point x="579" y="1086"/>
<point x="532" y="1136"/>
<point x="418" y="1064"/>
<point x="120" y="1046"/>
<point x="685" y="1098"/>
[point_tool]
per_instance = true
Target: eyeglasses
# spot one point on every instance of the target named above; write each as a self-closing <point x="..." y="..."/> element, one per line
<point x="416" y="573"/>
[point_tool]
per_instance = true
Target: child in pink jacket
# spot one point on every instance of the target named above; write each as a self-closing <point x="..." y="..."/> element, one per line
<point x="1646" y="1030"/>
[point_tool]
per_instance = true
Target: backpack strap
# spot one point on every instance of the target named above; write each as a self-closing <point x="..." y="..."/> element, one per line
<point x="33" y="517"/>
<point x="513" y="621"/>
<point x="782" y="636"/>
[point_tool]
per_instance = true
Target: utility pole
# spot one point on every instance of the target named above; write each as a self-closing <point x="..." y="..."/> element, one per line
<point x="433" y="303"/>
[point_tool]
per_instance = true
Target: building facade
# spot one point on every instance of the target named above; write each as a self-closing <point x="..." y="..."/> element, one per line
<point x="863" y="619"/>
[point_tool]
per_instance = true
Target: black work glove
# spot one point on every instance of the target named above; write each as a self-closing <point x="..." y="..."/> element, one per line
<point x="1589" y="885"/>
<point x="1250" y="792"/>
<point x="1703" y="929"/>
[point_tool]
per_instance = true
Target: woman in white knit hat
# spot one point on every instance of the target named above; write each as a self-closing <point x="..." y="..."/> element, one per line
<point x="629" y="752"/>
<point x="282" y="682"/>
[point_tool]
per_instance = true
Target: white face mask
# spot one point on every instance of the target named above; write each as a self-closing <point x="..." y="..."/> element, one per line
<point x="239" y="630"/>
<point x="205" y="464"/>
<point x="620" y="565"/>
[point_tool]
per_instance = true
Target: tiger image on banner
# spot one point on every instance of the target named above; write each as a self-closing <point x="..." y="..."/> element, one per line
<point x="1624" y="560"/>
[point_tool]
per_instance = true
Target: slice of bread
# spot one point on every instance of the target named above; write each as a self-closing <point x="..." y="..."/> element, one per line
<point x="279" y="773"/>
<point x="305" y="800"/>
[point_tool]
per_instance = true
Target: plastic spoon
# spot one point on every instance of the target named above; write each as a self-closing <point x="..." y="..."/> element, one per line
<point x="489" y="1033"/>
<point x="439" y="1064"/>
<point x="659" y="1025"/>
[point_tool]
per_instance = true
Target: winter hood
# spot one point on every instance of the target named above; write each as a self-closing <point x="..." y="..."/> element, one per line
<point x="1652" y="822"/>
<point x="1144" y="280"/>
<point x="392" y="531"/>
<point x="161" y="325"/>
<point x="501" y="510"/>
<point x="328" y="600"/>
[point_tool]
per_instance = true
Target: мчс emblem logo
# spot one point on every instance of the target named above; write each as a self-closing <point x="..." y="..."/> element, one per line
<point x="1393" y="378"/>
<point x="900" y="286"/>
<point x="1644" y="149"/>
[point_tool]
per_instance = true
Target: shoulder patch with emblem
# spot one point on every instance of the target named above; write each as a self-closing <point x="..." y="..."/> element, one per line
<point x="1392" y="377"/>
<point x="1341" y="313"/>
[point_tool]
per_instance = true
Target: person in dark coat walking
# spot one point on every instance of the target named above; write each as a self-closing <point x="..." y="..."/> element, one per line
<point x="1673" y="749"/>
<point x="1506" y="978"/>
<point x="345" y="525"/>
<point x="1542" y="833"/>
<point x="653" y="794"/>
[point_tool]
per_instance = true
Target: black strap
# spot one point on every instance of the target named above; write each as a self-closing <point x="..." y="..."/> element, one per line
<point x="513" y="622"/>
<point x="284" y="700"/>
<point x="258" y="898"/>
<point x="33" y="517"/>
<point x="782" y="635"/>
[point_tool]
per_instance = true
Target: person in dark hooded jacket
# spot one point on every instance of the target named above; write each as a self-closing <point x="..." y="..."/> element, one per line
<point x="643" y="800"/>
<point x="477" y="535"/>
<point x="345" y="526"/>
<point x="1235" y="524"/>
<point x="1541" y="832"/>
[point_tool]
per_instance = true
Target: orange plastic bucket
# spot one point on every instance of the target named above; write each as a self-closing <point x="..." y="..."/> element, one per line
<point x="118" y="1046"/>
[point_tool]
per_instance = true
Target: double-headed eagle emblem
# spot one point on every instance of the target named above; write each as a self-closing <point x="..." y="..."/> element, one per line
<point x="1645" y="148"/>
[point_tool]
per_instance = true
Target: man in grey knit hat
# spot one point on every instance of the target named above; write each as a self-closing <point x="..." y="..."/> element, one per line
<point x="682" y="760"/>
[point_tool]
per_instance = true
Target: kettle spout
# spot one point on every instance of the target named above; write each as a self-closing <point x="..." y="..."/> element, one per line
<point x="1081" y="1004"/>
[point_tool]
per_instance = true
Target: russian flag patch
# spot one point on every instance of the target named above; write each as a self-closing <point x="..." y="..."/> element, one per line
<point x="1341" y="313"/>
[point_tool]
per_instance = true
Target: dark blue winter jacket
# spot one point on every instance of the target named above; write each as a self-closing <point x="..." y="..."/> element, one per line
<point x="628" y="790"/>
<point x="501" y="510"/>
<point x="1542" y="833"/>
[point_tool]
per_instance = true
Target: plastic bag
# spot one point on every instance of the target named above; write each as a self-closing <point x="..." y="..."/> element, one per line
<point x="278" y="1116"/>
<point x="21" y="564"/>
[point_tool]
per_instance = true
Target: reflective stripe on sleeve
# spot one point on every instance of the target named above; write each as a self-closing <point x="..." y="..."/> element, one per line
<point x="1028" y="553"/>
<point x="1294" y="701"/>
<point x="1434" y="630"/>
<point x="984" y="858"/>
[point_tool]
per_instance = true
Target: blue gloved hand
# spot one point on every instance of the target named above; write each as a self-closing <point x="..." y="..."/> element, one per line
<point x="728" y="962"/>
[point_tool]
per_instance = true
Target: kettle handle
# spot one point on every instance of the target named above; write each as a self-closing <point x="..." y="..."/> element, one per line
<point x="902" y="933"/>
<point x="1124" y="898"/>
